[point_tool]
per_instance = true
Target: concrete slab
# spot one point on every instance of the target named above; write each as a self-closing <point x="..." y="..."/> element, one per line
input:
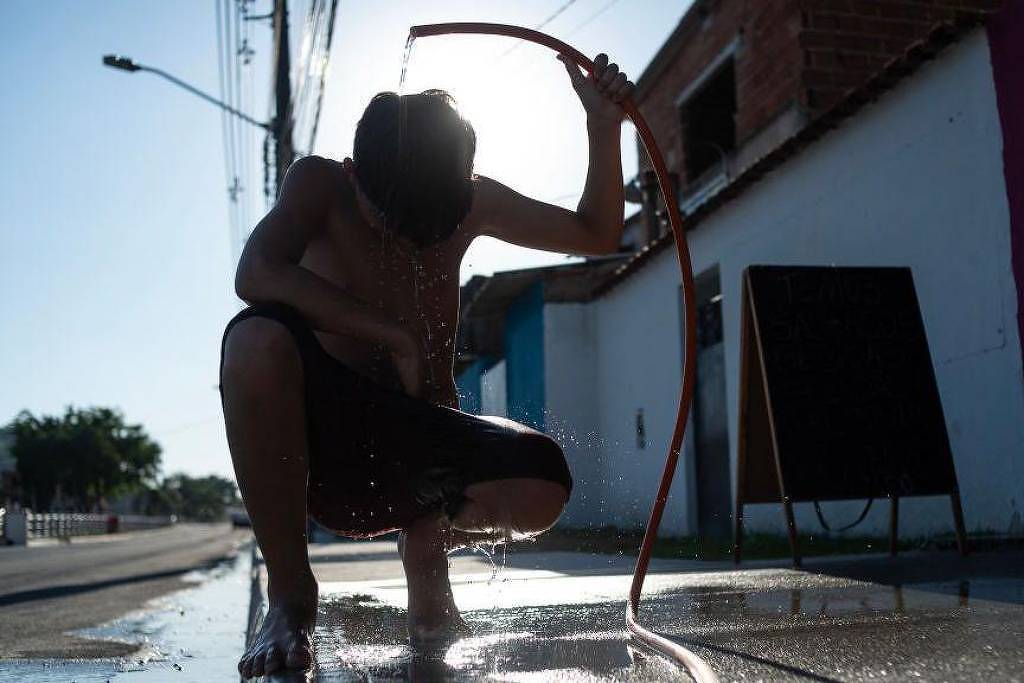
<point x="560" y="616"/>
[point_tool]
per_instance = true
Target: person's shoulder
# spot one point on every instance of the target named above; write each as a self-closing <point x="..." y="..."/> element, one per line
<point x="482" y="182"/>
<point x="314" y="179"/>
<point x="485" y="192"/>
<point x="315" y="168"/>
<point x="488" y="197"/>
<point x="479" y="206"/>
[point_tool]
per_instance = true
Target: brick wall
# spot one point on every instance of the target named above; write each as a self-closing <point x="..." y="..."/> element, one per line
<point x="846" y="41"/>
<point x="793" y="53"/>
<point x="767" y="66"/>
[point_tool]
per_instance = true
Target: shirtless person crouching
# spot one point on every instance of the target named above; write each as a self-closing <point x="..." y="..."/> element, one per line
<point x="337" y="380"/>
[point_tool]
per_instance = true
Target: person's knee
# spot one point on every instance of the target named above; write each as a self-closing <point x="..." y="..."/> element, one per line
<point x="259" y="354"/>
<point x="540" y="504"/>
<point x="515" y="507"/>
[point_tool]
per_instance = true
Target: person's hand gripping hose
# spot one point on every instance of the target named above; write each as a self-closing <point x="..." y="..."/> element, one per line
<point x="602" y="91"/>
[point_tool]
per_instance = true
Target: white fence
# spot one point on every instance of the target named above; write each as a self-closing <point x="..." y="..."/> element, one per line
<point x="24" y="525"/>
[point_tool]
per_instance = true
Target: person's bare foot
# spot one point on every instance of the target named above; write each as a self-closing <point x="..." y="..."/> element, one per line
<point x="285" y="637"/>
<point x="434" y="619"/>
<point x="433" y="624"/>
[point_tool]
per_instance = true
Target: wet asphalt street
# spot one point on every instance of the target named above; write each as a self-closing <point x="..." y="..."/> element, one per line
<point x="560" y="616"/>
<point x="47" y="590"/>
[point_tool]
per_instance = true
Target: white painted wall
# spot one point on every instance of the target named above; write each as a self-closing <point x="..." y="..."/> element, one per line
<point x="493" y="391"/>
<point x="570" y="410"/>
<point x="915" y="179"/>
<point x="640" y="366"/>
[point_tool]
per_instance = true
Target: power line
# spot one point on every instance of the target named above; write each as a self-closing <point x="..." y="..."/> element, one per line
<point x="224" y="123"/>
<point x="236" y="78"/>
<point x="565" y="5"/>
<point x="554" y="16"/>
<point x="301" y="64"/>
<point x="311" y="73"/>
<point x="229" y="83"/>
<point x="251" y="132"/>
<point x="607" y="6"/>
<point x="574" y="30"/>
<point x="323" y="73"/>
<point x="239" y="187"/>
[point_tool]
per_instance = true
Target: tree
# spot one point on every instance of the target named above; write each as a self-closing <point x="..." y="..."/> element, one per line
<point x="82" y="457"/>
<point x="202" y="499"/>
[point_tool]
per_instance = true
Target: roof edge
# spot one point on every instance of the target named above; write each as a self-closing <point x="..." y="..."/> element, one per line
<point x="898" y="69"/>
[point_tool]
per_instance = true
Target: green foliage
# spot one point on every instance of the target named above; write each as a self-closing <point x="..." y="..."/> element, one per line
<point x="201" y="499"/>
<point x="86" y="455"/>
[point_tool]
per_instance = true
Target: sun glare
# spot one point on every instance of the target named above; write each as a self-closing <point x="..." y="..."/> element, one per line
<point x="529" y="123"/>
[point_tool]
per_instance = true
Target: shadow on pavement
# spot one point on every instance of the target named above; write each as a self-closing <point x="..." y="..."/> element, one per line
<point x="997" y="576"/>
<point x="66" y="590"/>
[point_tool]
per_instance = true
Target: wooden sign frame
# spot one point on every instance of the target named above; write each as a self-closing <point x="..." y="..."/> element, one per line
<point x="760" y="471"/>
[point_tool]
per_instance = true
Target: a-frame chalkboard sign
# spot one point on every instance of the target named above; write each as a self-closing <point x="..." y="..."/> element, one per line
<point x="838" y="398"/>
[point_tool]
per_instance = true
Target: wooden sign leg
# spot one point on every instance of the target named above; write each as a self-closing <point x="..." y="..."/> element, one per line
<point x="894" y="524"/>
<point x="791" y="528"/>
<point x="958" y="520"/>
<point x="737" y="534"/>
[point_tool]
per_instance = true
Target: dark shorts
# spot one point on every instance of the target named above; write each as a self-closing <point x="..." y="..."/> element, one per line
<point x="379" y="459"/>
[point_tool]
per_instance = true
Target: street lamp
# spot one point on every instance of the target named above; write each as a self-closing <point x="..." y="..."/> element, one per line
<point x="126" y="64"/>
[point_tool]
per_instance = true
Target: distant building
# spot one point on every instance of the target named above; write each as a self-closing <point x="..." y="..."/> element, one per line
<point x="509" y="337"/>
<point x="845" y="133"/>
<point x="526" y="351"/>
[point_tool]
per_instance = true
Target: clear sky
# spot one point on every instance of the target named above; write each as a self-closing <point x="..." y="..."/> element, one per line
<point x="116" y="258"/>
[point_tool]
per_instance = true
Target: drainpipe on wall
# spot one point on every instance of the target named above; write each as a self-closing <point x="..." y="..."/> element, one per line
<point x="649" y="197"/>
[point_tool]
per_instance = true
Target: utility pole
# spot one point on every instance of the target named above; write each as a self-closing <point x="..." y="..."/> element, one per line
<point x="281" y="128"/>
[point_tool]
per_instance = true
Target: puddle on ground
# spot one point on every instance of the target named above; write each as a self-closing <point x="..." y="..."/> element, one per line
<point x="754" y="625"/>
<point x="360" y="638"/>
<point x="194" y="635"/>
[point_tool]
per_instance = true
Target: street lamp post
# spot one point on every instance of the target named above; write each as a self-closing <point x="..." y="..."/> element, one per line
<point x="280" y="126"/>
<point x="126" y="64"/>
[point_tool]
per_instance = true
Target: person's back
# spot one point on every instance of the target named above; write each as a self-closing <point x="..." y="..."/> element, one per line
<point x="336" y="380"/>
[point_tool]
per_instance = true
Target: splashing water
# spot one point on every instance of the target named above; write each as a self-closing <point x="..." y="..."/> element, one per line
<point x="489" y="549"/>
<point x="489" y="553"/>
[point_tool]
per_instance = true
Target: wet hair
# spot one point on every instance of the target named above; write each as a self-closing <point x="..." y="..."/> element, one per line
<point x="413" y="156"/>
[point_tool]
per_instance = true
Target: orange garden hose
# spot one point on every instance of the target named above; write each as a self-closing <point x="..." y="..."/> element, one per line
<point x="694" y="664"/>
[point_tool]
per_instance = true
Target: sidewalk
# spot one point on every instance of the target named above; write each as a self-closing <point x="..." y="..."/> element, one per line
<point x="560" y="615"/>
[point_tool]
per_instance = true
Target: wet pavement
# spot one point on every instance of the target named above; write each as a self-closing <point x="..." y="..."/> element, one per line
<point x="48" y="591"/>
<point x="191" y="636"/>
<point x="560" y="616"/>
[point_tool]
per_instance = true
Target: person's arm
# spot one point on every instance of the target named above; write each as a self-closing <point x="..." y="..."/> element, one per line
<point x="269" y="270"/>
<point x="596" y="225"/>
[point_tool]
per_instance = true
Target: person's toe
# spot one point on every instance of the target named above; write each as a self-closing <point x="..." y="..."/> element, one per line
<point x="273" y="660"/>
<point x="245" y="666"/>
<point x="300" y="655"/>
<point x="256" y="663"/>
